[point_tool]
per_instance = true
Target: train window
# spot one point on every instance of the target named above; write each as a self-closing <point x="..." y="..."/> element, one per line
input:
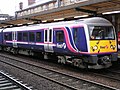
<point x="101" y="32"/>
<point x="19" y="36"/>
<point x="25" y="36"/>
<point x="75" y="31"/>
<point x="38" y="36"/>
<point x="8" y="36"/>
<point x="60" y="36"/>
<point x="31" y="36"/>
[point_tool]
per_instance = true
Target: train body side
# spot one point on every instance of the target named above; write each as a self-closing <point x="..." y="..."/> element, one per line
<point x="1" y="30"/>
<point x="68" y="41"/>
<point x="63" y="40"/>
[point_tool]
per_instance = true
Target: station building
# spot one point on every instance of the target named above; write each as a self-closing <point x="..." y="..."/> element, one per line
<point x="55" y="10"/>
<point x="40" y="6"/>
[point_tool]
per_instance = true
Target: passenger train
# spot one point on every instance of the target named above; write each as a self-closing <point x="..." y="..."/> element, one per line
<point x="85" y="43"/>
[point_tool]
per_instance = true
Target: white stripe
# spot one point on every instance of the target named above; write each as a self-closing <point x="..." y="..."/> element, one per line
<point x="42" y="44"/>
<point x="87" y="37"/>
<point x="73" y="41"/>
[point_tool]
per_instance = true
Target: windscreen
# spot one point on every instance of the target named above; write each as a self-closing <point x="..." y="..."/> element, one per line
<point x="101" y="33"/>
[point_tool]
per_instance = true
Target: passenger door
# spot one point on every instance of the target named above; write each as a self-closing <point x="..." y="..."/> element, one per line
<point x="48" y="40"/>
<point x="14" y="38"/>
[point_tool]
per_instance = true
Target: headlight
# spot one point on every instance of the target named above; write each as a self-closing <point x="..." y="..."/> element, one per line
<point x="95" y="47"/>
<point x="111" y="47"/>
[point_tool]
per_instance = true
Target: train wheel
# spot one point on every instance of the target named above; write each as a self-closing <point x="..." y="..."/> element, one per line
<point x="78" y="63"/>
<point x="62" y="59"/>
<point x="15" y="51"/>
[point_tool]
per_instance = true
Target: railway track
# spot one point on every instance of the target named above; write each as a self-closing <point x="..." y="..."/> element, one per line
<point x="63" y="79"/>
<point x="9" y="83"/>
<point x="108" y="73"/>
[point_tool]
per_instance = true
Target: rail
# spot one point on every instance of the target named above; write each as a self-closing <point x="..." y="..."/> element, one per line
<point x="64" y="79"/>
<point x="9" y="83"/>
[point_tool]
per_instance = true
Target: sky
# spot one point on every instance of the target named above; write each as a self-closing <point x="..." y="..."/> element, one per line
<point x="10" y="6"/>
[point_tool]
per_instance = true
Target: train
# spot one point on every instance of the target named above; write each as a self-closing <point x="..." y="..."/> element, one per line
<point x="84" y="43"/>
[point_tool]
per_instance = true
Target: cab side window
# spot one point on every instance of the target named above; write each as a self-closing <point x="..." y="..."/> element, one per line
<point x="75" y="31"/>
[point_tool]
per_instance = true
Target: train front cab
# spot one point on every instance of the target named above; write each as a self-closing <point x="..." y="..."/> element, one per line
<point x="102" y="46"/>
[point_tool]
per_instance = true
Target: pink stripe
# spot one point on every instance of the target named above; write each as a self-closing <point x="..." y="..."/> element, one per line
<point x="76" y="26"/>
<point x="68" y="41"/>
<point x="69" y="44"/>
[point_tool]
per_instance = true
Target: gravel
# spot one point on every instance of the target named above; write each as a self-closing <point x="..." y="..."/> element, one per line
<point x="43" y="84"/>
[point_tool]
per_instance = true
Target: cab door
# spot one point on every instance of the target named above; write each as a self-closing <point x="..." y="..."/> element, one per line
<point x="48" y="40"/>
<point x="14" y="38"/>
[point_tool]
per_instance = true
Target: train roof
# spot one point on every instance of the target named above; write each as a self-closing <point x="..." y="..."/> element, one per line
<point x="87" y="21"/>
<point x="95" y="21"/>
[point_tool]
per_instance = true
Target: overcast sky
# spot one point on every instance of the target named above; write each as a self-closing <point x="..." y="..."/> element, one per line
<point x="10" y="6"/>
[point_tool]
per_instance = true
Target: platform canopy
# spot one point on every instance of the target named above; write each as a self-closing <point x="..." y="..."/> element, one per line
<point x="68" y="9"/>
